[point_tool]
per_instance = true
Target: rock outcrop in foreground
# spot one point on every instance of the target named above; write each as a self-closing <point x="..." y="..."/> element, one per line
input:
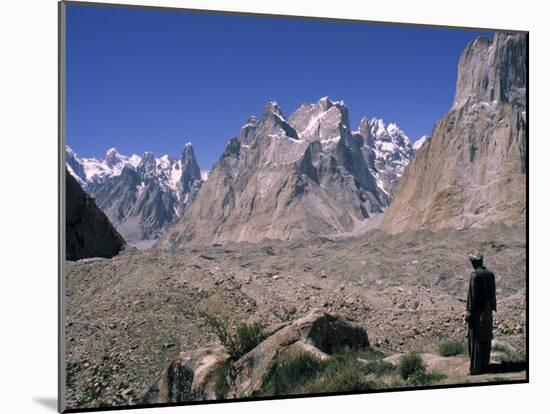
<point x="191" y="376"/>
<point x="88" y="231"/>
<point x="472" y="172"/>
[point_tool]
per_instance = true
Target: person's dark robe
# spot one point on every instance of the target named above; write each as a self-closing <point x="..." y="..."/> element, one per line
<point x="480" y="306"/>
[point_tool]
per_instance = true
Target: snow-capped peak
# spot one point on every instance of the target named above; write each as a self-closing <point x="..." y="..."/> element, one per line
<point x="390" y="149"/>
<point x="420" y="142"/>
<point x="390" y="133"/>
<point x="165" y="170"/>
<point x="134" y="160"/>
<point x="93" y="170"/>
<point x="140" y="194"/>
<point x="111" y="152"/>
<point x="69" y="151"/>
<point x="377" y="123"/>
<point x="393" y="129"/>
<point x="326" y="103"/>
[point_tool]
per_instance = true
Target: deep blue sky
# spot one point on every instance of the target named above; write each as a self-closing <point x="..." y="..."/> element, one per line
<point x="151" y="80"/>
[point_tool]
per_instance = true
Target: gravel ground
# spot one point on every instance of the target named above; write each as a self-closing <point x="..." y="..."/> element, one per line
<point x="129" y="316"/>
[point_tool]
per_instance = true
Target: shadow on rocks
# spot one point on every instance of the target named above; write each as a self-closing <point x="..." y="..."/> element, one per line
<point x="505" y="367"/>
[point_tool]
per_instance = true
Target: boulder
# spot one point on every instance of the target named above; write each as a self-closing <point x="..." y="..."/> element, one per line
<point x="188" y="378"/>
<point x="318" y="334"/>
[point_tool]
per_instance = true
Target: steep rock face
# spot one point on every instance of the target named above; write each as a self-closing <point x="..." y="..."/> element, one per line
<point x="142" y="196"/>
<point x="88" y="231"/>
<point x="472" y="171"/>
<point x="493" y="71"/>
<point x="284" y="179"/>
<point x="191" y="177"/>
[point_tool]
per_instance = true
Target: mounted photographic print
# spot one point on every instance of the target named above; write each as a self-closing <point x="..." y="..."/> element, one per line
<point x="259" y="206"/>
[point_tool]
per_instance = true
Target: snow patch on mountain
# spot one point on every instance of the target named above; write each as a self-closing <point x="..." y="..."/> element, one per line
<point x="420" y="142"/>
<point x="141" y="195"/>
<point x="95" y="170"/>
<point x="387" y="149"/>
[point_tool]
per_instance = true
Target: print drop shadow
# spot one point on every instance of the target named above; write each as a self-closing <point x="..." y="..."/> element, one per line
<point x="48" y="402"/>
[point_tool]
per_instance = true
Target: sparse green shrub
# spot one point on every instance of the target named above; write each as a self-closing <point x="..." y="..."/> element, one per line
<point x="221" y="385"/>
<point x="305" y="374"/>
<point x="379" y="368"/>
<point x="409" y="364"/>
<point x="239" y="341"/>
<point x="341" y="378"/>
<point x="343" y="373"/>
<point x="290" y="375"/>
<point x="423" y="378"/>
<point x="451" y="348"/>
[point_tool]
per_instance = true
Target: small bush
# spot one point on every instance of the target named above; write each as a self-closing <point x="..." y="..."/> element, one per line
<point x="343" y="373"/>
<point x="287" y="377"/>
<point x="243" y="339"/>
<point x="221" y="385"/>
<point x="409" y="364"/>
<point x="451" y="348"/>
<point x="422" y="378"/>
<point x="305" y="374"/>
<point x="379" y="368"/>
<point x="341" y="379"/>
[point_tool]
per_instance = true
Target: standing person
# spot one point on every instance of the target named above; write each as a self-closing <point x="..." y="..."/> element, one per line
<point x="479" y="314"/>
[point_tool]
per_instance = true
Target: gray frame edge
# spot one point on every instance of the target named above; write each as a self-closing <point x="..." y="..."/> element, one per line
<point x="61" y="106"/>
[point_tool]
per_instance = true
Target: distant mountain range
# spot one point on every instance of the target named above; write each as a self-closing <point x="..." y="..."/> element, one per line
<point x="290" y="178"/>
<point x="310" y="174"/>
<point x="144" y="195"/>
<point x="141" y="195"/>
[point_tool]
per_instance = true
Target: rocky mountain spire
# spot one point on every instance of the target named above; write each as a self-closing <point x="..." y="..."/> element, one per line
<point x="492" y="71"/>
<point x="365" y="131"/>
<point x="273" y="120"/>
<point x="190" y="171"/>
<point x="284" y="179"/>
<point x="247" y="130"/>
<point x="142" y="196"/>
<point x="112" y="157"/>
<point x="324" y="121"/>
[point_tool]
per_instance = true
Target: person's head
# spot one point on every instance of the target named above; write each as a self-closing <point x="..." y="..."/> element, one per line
<point x="476" y="258"/>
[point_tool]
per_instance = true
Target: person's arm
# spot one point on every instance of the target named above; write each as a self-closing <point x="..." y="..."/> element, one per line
<point x="469" y="301"/>
<point x="493" y="293"/>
